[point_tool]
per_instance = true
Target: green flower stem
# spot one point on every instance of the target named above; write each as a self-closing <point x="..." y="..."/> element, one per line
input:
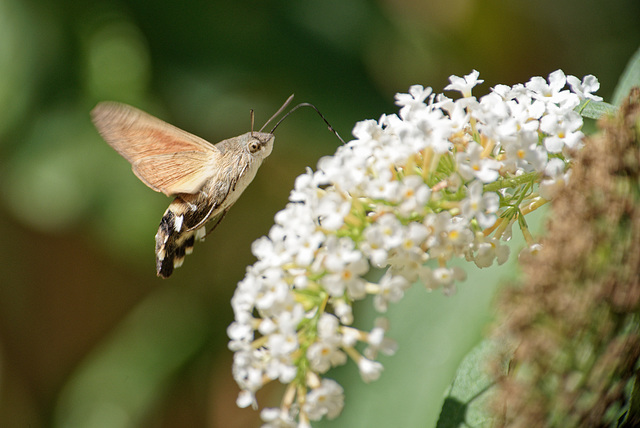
<point x="512" y="182"/>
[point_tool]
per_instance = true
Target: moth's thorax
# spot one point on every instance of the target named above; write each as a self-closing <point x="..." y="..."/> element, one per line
<point x="244" y="173"/>
<point x="236" y="167"/>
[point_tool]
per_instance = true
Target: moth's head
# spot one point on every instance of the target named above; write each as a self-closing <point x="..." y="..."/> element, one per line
<point x="258" y="144"/>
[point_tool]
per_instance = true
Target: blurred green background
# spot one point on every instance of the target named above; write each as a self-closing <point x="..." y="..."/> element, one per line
<point x="89" y="337"/>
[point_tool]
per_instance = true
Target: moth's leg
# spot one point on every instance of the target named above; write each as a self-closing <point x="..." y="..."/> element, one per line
<point x="220" y="217"/>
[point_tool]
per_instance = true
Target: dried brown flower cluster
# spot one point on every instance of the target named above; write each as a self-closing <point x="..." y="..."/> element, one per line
<point x="572" y="329"/>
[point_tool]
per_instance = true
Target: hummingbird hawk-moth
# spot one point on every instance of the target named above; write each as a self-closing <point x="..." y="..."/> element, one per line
<point x="206" y="179"/>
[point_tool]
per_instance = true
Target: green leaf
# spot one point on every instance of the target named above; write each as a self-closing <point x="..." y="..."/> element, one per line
<point x="631" y="416"/>
<point x="595" y="109"/>
<point x="630" y="78"/>
<point x="465" y="404"/>
<point x="434" y="332"/>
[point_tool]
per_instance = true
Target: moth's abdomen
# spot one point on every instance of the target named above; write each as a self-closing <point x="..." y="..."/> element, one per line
<point x="176" y="235"/>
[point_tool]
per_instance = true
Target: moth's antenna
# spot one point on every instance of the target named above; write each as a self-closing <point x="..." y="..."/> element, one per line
<point x="286" y="103"/>
<point x="251" y="114"/>
<point x="317" y="111"/>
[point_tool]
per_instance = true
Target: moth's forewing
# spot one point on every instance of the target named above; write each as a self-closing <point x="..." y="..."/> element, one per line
<point x="184" y="172"/>
<point x="165" y="158"/>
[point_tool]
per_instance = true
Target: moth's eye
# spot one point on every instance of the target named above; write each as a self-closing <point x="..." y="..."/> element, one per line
<point x="254" y="146"/>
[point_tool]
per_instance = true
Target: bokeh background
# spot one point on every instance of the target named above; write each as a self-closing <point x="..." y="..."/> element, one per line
<point x="89" y="337"/>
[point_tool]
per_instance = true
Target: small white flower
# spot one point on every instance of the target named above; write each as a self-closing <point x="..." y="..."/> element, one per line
<point x="282" y="345"/>
<point x="524" y="154"/>
<point x="553" y="91"/>
<point x="464" y="84"/>
<point x="277" y="418"/>
<point x="414" y="195"/>
<point x="246" y="399"/>
<point x="585" y="88"/>
<point x="378" y="342"/>
<point x="472" y="165"/>
<point x="480" y="205"/>
<point x="248" y="369"/>
<point x="304" y="247"/>
<point x="383" y="187"/>
<point x="458" y="117"/>
<point x="391" y="289"/>
<point x="345" y="266"/>
<point x="488" y="250"/>
<point x="350" y="336"/>
<point x="563" y="130"/>
<point x="428" y="128"/>
<point x="445" y="277"/>
<point x="331" y="210"/>
<point x="380" y="238"/>
<point x="328" y="326"/>
<point x="367" y="130"/>
<point x="343" y="311"/>
<point x="240" y="332"/>
<point x="450" y="236"/>
<point x="274" y="295"/>
<point x="369" y="370"/>
<point x="555" y="178"/>
<point x="413" y="101"/>
<point x="531" y="250"/>
<point x="270" y="252"/>
<point x="327" y="399"/>
<point x="408" y="259"/>
<point x="324" y="354"/>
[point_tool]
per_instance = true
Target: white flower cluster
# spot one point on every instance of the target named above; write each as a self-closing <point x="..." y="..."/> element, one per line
<point x="443" y="179"/>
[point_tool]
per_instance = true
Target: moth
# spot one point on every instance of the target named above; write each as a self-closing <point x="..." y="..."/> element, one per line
<point x="206" y="179"/>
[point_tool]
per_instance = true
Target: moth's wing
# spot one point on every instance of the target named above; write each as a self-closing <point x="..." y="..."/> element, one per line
<point x="182" y="172"/>
<point x="164" y="157"/>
